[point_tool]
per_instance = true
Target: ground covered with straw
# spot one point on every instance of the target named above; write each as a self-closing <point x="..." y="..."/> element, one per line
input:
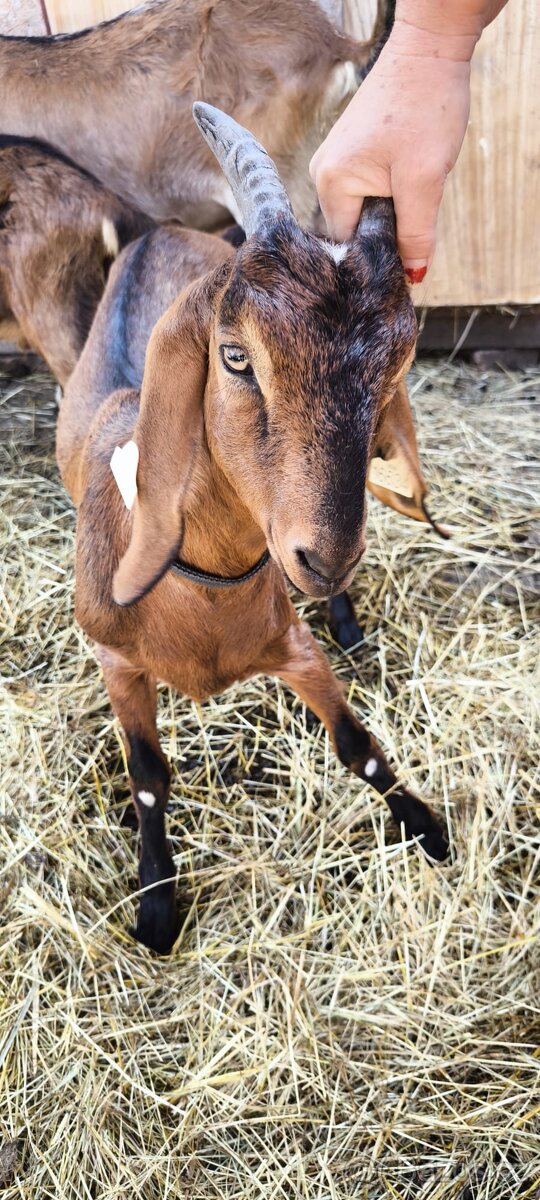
<point x="337" y="1018"/>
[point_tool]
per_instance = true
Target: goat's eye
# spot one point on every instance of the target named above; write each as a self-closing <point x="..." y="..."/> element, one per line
<point x="235" y="360"/>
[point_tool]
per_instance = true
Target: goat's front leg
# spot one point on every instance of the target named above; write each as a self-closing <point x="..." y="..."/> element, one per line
<point x="344" y="627"/>
<point x="298" y="661"/>
<point x="133" y="697"/>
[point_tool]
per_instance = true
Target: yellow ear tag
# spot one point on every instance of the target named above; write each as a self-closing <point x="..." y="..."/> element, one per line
<point x="391" y="473"/>
<point x="124" y="463"/>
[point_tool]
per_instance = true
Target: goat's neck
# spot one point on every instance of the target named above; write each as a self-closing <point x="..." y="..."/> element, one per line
<point x="220" y="535"/>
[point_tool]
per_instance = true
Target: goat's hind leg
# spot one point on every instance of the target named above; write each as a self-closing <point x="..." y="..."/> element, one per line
<point x="297" y="659"/>
<point x="133" y="697"/>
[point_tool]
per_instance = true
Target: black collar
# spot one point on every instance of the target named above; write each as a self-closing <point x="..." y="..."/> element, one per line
<point x="195" y="575"/>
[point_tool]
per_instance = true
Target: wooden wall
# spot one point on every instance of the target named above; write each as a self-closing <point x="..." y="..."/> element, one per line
<point x="489" y="234"/>
<point x="67" y="15"/>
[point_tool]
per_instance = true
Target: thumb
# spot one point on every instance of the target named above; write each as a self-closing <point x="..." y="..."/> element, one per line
<point x="417" y="203"/>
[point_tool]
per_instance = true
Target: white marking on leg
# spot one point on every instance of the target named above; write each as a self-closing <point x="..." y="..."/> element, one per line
<point x="370" y="767"/>
<point x="147" y="798"/>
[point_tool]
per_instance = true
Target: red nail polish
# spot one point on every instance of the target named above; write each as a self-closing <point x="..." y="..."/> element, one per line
<point x="415" y="274"/>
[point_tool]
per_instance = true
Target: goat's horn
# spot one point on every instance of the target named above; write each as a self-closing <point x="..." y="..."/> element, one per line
<point x="377" y="216"/>
<point x="253" y="177"/>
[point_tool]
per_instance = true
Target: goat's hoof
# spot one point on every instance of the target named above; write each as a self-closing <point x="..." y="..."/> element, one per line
<point x="158" y="924"/>
<point x="159" y="939"/>
<point x="420" y="823"/>
<point x="431" y="835"/>
<point x="434" y="843"/>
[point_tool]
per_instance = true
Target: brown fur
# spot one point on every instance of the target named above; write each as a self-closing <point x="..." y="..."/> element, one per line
<point x="226" y="467"/>
<point x="54" y="250"/>
<point x="117" y="98"/>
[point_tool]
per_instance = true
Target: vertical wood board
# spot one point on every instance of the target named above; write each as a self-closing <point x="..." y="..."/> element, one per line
<point x="66" y="16"/>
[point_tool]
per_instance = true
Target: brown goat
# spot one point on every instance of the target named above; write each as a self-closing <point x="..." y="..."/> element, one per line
<point x="269" y="385"/>
<point x="59" y="232"/>
<point x="117" y="98"/>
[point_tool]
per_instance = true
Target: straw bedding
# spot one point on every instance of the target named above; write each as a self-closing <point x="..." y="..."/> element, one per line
<point x="337" y="1019"/>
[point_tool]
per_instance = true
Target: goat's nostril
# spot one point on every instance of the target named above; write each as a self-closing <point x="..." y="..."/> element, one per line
<point x="314" y="562"/>
<point x="331" y="571"/>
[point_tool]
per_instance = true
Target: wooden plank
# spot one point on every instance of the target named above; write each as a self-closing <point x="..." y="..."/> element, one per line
<point x="65" y="16"/>
<point x="22" y="17"/>
<point x="359" y="18"/>
<point x="479" y="329"/>
<point x="488" y="249"/>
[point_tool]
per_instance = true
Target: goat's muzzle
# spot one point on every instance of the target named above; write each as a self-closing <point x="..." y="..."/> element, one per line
<point x="324" y="577"/>
<point x="311" y="573"/>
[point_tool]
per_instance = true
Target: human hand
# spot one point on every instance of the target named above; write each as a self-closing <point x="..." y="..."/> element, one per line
<point x="399" y="136"/>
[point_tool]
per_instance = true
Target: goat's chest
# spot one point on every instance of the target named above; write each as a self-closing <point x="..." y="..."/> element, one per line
<point x="201" y="641"/>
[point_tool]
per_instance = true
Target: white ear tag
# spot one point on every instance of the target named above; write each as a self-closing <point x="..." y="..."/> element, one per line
<point x="391" y="473"/>
<point x="124" y="463"/>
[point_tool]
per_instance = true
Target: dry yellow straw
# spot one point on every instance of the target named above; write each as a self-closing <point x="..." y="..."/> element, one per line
<point x="338" y="1020"/>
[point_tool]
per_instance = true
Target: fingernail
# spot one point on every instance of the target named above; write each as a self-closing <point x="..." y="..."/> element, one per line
<point x="416" y="274"/>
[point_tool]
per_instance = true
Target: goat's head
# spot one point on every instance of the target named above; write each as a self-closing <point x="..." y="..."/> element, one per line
<point x="307" y="346"/>
<point x="312" y="341"/>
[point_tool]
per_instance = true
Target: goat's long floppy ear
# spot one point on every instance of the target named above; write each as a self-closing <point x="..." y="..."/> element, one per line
<point x="249" y="170"/>
<point x="395" y="476"/>
<point x="167" y="434"/>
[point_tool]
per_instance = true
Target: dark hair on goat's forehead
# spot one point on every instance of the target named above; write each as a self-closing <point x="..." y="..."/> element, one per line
<point x="279" y="259"/>
<point x="283" y="247"/>
<point x="289" y="282"/>
<point x="284" y="259"/>
<point x="286" y="277"/>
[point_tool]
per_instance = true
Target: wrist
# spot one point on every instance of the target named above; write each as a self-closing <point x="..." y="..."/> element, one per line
<point x="437" y="29"/>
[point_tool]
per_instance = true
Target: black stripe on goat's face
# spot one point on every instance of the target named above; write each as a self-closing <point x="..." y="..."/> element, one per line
<point x="308" y="353"/>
